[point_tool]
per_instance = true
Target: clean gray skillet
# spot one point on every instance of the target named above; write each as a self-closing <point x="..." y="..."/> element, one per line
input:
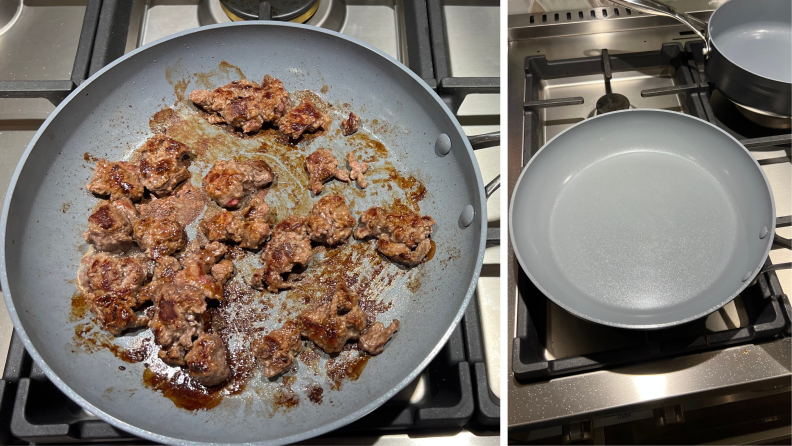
<point x="40" y="256"/>
<point x="642" y="219"/>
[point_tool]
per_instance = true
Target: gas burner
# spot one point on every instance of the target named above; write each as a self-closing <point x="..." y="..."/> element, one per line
<point x="298" y="11"/>
<point x="612" y="102"/>
<point x="328" y="14"/>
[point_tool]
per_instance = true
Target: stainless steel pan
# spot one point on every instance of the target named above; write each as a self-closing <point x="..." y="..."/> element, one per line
<point x="642" y="219"/>
<point x="748" y="50"/>
<point x="108" y="116"/>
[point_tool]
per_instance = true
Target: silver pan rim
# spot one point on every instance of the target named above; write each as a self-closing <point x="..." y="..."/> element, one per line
<point x="637" y="326"/>
<point x="482" y="218"/>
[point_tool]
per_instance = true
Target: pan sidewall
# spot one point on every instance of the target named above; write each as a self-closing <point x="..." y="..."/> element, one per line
<point x="479" y="225"/>
<point x="515" y="196"/>
<point x="738" y="83"/>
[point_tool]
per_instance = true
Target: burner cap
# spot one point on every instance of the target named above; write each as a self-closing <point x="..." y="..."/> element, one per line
<point x="612" y="102"/>
<point x="283" y="10"/>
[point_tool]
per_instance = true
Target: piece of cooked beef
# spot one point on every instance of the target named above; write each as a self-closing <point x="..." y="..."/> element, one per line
<point x="159" y="236"/>
<point x="163" y="164"/>
<point x="110" y="284"/>
<point x="303" y="118"/>
<point x="276" y="350"/>
<point x="177" y="320"/>
<point x="165" y="269"/>
<point x="206" y="360"/>
<point x="402" y="237"/>
<point x="110" y="227"/>
<point x="250" y="227"/>
<point x="322" y="166"/>
<point x="198" y="263"/>
<point x="244" y="104"/>
<point x="373" y="340"/>
<point x="330" y="325"/>
<point x="118" y="179"/>
<point x="228" y="181"/>
<point x="289" y="246"/>
<point x="330" y="221"/>
<point x="351" y="124"/>
<point x="357" y="170"/>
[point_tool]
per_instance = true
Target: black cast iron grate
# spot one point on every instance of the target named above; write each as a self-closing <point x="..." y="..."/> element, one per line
<point x="33" y="410"/>
<point x="767" y="309"/>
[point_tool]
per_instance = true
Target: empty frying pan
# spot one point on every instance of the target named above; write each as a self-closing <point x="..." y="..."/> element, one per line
<point x="642" y="219"/>
<point x="748" y="45"/>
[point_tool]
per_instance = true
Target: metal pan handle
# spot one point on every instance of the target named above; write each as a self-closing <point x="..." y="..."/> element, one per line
<point x="482" y="142"/>
<point x="656" y="8"/>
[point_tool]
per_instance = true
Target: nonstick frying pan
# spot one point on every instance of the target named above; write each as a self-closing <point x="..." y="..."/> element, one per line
<point x="748" y="46"/>
<point x="108" y="116"/>
<point x="642" y="219"/>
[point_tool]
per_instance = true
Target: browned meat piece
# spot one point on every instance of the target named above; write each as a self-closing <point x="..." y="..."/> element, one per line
<point x="332" y="324"/>
<point x="288" y="247"/>
<point x="330" y="221"/>
<point x="110" y="227"/>
<point x="404" y="238"/>
<point x="249" y="228"/>
<point x="165" y="269"/>
<point x="305" y="117"/>
<point x="276" y="350"/>
<point x="177" y="320"/>
<point x="244" y="104"/>
<point x="159" y="236"/>
<point x="350" y="125"/>
<point x="110" y="284"/>
<point x="358" y="170"/>
<point x="228" y="181"/>
<point x="206" y="361"/>
<point x="198" y="262"/>
<point x="322" y="166"/>
<point x="401" y="253"/>
<point x="117" y="179"/>
<point x="163" y="164"/>
<point x="127" y="208"/>
<point x="374" y="339"/>
<point x="222" y="271"/>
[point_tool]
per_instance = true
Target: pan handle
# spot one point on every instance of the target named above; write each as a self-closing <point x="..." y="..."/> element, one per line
<point x="656" y="8"/>
<point x="482" y="142"/>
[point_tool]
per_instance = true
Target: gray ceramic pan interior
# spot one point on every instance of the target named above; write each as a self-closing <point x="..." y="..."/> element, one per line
<point x="642" y="219"/>
<point x="755" y="35"/>
<point x="108" y="116"/>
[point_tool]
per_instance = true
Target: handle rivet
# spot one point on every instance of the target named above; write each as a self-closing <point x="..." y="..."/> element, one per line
<point x="442" y="145"/>
<point x="466" y="218"/>
<point x="747" y="275"/>
<point x="763" y="232"/>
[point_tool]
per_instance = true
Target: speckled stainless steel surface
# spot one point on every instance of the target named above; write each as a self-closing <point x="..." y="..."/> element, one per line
<point x="649" y="385"/>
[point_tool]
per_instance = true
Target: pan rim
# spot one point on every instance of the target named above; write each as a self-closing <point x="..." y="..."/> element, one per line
<point x="713" y="17"/>
<point x="359" y="413"/>
<point x="555" y="300"/>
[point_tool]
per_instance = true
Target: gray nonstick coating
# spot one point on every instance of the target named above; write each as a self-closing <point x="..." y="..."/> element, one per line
<point x="642" y="219"/>
<point x="755" y="35"/>
<point x="108" y="116"/>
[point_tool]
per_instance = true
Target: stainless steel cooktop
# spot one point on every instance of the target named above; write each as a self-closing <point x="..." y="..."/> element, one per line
<point x="599" y="394"/>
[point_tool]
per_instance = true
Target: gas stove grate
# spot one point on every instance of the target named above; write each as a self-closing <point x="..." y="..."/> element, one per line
<point x="33" y="410"/>
<point x="767" y="308"/>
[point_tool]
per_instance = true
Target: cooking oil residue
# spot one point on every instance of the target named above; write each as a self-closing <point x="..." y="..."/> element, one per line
<point x="432" y="250"/>
<point x="182" y="391"/>
<point x="285" y="398"/>
<point x="341" y="369"/>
